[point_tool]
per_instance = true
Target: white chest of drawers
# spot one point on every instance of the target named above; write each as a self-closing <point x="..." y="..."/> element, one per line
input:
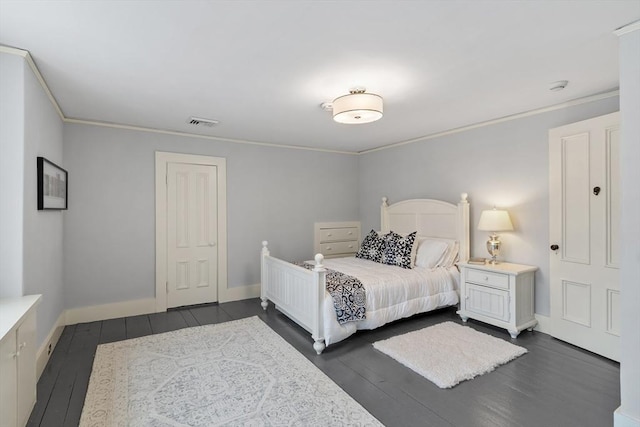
<point x="17" y="359"/>
<point x="336" y="239"/>
<point x="501" y="295"/>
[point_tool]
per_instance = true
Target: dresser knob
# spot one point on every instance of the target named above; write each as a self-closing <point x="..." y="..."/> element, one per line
<point x="350" y="233"/>
<point x="350" y="246"/>
<point x="329" y="248"/>
<point x="329" y="234"/>
<point x="486" y="279"/>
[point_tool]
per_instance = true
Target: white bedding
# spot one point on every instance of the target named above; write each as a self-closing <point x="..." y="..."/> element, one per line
<point x="392" y="293"/>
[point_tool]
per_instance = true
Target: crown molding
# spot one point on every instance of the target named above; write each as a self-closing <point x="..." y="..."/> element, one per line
<point x="27" y="56"/>
<point x="195" y="135"/>
<point x="629" y="28"/>
<point x="537" y="111"/>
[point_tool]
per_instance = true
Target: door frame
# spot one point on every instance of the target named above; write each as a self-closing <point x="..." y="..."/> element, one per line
<point x="162" y="160"/>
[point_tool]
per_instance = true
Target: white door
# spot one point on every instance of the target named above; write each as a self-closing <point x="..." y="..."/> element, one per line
<point x="584" y="205"/>
<point x="192" y="234"/>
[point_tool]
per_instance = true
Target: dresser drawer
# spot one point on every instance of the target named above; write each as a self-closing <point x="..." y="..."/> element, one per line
<point x="488" y="278"/>
<point x="328" y="249"/>
<point x="338" y="234"/>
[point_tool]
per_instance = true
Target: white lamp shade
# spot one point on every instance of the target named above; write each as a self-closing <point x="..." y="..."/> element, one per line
<point x="495" y="220"/>
<point x="357" y="108"/>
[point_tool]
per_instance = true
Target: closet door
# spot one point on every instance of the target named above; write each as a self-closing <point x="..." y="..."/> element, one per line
<point x="584" y="228"/>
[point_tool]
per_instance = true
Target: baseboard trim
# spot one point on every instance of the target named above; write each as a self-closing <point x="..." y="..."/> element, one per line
<point x="544" y="324"/>
<point x="43" y="355"/>
<point x="110" y="311"/>
<point x="145" y="306"/>
<point x="624" y="420"/>
<point x="239" y="293"/>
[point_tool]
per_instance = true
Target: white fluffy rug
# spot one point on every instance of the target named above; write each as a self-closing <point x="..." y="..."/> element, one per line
<point x="234" y="373"/>
<point x="448" y="353"/>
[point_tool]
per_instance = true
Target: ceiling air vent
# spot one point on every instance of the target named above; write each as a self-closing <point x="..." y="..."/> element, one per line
<point x="199" y="121"/>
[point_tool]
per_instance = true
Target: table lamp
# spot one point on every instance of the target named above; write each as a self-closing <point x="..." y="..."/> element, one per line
<point x="494" y="220"/>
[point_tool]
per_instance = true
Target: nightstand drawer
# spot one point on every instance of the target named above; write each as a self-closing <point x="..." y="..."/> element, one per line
<point x="338" y="234"/>
<point x="339" y="248"/>
<point x="488" y="278"/>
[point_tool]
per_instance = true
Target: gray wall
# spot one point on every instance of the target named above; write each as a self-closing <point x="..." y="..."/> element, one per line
<point x="504" y="164"/>
<point x="272" y="193"/>
<point x="43" y="230"/>
<point x="630" y="223"/>
<point x="11" y="173"/>
<point x="31" y="242"/>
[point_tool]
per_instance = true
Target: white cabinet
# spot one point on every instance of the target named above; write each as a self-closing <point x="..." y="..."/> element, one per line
<point x="17" y="359"/>
<point x="501" y="295"/>
<point x="336" y="239"/>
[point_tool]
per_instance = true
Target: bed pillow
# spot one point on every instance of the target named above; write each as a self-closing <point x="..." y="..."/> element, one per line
<point x="450" y="257"/>
<point x="430" y="252"/>
<point x="371" y="247"/>
<point x="397" y="249"/>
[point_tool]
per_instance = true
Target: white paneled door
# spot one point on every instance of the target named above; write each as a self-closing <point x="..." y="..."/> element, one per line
<point x="192" y="234"/>
<point x="584" y="230"/>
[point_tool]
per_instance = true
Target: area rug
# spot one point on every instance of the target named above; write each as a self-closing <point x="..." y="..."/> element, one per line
<point x="233" y="373"/>
<point x="448" y="353"/>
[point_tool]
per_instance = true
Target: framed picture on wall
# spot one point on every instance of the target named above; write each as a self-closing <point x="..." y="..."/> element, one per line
<point x="53" y="185"/>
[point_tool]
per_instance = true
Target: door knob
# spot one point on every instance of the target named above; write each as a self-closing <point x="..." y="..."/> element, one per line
<point x="596" y="190"/>
<point x="554" y="247"/>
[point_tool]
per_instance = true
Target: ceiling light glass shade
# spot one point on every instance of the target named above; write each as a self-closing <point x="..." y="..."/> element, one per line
<point x="495" y="220"/>
<point x="357" y="108"/>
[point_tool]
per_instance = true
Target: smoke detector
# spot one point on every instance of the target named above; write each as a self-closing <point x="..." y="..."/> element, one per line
<point x="199" y="121"/>
<point x="558" y="86"/>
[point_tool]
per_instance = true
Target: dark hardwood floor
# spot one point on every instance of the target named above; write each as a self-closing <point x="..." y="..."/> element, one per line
<point x="555" y="384"/>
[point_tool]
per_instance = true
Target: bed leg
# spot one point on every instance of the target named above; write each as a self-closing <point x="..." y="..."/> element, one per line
<point x="318" y="346"/>
<point x="264" y="303"/>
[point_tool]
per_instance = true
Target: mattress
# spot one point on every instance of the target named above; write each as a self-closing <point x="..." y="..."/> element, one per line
<point x="392" y="293"/>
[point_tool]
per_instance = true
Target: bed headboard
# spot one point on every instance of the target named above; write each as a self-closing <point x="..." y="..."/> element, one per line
<point x="432" y="218"/>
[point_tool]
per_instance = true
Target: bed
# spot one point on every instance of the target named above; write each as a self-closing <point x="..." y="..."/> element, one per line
<point x="300" y="291"/>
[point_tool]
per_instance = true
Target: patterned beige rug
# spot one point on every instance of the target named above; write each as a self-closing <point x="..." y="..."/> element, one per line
<point x="233" y="373"/>
<point x="448" y="353"/>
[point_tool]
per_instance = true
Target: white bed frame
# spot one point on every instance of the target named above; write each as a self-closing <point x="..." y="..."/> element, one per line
<point x="299" y="293"/>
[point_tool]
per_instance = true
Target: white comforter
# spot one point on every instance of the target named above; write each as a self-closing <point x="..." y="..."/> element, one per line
<point x="392" y="293"/>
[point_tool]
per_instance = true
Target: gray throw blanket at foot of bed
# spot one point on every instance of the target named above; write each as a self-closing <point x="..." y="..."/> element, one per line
<point x="348" y="294"/>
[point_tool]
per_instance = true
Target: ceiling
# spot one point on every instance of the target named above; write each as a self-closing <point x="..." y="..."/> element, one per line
<point x="262" y="68"/>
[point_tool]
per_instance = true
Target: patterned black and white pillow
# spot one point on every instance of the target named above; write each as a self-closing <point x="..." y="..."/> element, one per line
<point x="397" y="249"/>
<point x="371" y="247"/>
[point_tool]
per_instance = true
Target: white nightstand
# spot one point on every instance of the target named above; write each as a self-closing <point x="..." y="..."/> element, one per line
<point x="500" y="294"/>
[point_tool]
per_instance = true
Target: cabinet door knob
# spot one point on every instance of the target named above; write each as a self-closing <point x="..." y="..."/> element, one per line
<point x="554" y="247"/>
<point x="329" y="248"/>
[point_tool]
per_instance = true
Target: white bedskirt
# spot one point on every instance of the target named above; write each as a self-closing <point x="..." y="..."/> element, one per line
<point x="392" y="293"/>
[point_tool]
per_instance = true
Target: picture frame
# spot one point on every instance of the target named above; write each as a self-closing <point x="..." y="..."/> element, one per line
<point x="53" y="186"/>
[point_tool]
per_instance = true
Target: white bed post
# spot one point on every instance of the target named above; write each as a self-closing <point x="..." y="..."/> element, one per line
<point x="384" y="219"/>
<point x="318" y="323"/>
<point x="263" y="276"/>
<point x="463" y="224"/>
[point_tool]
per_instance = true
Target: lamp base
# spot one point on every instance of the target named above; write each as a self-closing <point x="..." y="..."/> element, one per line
<point x="493" y="247"/>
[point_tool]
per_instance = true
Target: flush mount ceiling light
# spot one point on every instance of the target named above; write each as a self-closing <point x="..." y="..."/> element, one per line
<point x="357" y="107"/>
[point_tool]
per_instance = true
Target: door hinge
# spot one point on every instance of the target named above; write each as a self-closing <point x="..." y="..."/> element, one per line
<point x="166" y="180"/>
<point x="167" y="286"/>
